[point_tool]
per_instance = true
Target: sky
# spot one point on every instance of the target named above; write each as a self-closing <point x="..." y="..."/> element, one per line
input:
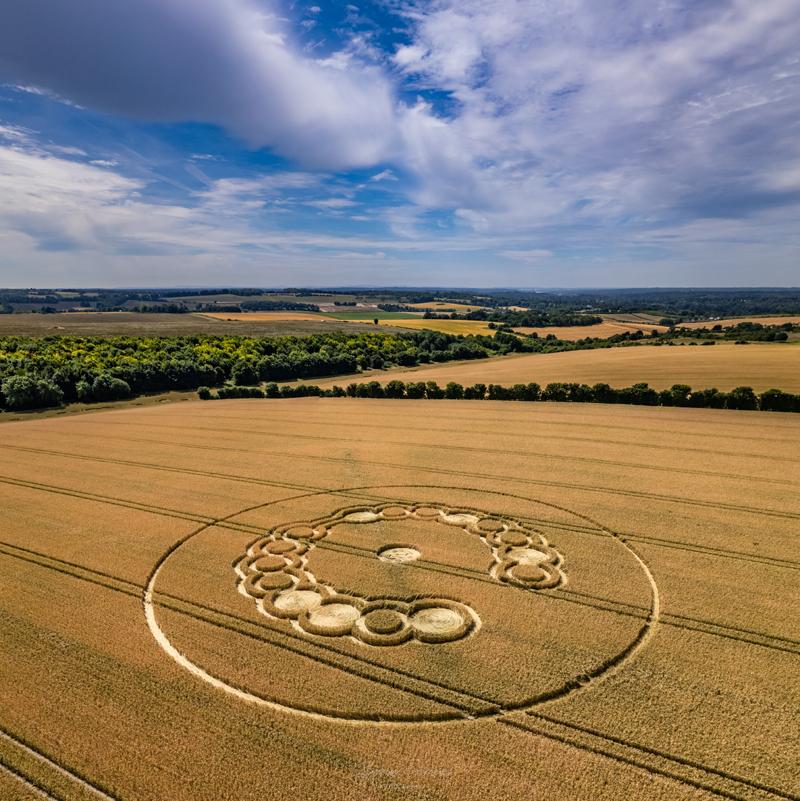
<point x="524" y="143"/>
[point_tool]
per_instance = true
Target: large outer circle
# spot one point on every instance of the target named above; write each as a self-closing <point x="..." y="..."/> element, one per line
<point x="581" y="682"/>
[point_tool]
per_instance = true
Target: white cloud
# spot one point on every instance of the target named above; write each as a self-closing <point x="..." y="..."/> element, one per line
<point x="227" y="62"/>
<point x="332" y="203"/>
<point x="588" y="112"/>
<point x="67" y="150"/>
<point x="15" y="133"/>
<point x="527" y="256"/>
<point x="384" y="175"/>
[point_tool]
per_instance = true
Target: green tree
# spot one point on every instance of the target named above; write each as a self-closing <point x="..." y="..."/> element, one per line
<point x="475" y="392"/>
<point x="433" y="390"/>
<point x="742" y="398"/>
<point x="244" y="374"/>
<point x="415" y="389"/>
<point x="106" y="387"/>
<point x="395" y="389"/>
<point x="454" y="391"/>
<point x="23" y="392"/>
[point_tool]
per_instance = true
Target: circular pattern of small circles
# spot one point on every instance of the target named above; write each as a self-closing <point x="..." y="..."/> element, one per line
<point x="273" y="572"/>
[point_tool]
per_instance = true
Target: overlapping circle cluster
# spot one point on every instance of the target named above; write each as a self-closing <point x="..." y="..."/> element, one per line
<point x="274" y="573"/>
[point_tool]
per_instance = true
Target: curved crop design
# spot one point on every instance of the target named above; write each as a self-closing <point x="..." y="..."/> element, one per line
<point x="274" y="572"/>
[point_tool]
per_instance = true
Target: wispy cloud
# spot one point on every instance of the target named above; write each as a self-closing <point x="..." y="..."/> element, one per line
<point x="332" y="203"/>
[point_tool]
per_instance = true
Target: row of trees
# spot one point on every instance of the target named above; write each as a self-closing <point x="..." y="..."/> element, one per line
<point x="640" y="394"/>
<point x="521" y="319"/>
<point x="773" y="400"/>
<point x="747" y="331"/>
<point x="48" y="371"/>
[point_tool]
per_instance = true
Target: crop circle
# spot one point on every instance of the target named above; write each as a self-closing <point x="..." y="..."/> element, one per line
<point x="399" y="554"/>
<point x="384" y="621"/>
<point x="437" y="624"/>
<point x="477" y="628"/>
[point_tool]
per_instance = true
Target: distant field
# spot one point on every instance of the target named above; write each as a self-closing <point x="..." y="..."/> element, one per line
<point x="639" y="318"/>
<point x="724" y="366"/>
<point x="263" y="317"/>
<point x="446" y="326"/>
<point x="135" y="324"/>
<point x="267" y="296"/>
<point x="322" y="599"/>
<point x="603" y="330"/>
<point x="438" y="305"/>
<point x="371" y="314"/>
<point x="729" y="321"/>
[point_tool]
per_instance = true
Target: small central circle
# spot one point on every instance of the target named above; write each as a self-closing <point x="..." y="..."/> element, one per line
<point x="399" y="554"/>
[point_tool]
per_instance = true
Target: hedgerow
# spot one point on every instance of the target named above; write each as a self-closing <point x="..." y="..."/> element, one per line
<point x="773" y="400"/>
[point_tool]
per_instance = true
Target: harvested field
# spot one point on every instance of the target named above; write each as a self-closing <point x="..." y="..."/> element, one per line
<point x="378" y="599"/>
<point x="607" y="328"/>
<point x="724" y="366"/>
<point x="445" y="326"/>
<point x="263" y="317"/>
<point x="730" y="321"/>
<point x="443" y="305"/>
<point x="637" y="318"/>
<point x="151" y="324"/>
<point x="361" y="315"/>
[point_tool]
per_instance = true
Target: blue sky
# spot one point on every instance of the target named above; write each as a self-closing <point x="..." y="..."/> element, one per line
<point x="527" y="143"/>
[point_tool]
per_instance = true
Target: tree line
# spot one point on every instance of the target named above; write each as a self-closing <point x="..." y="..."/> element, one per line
<point x="49" y="371"/>
<point x="773" y="400"/>
<point x="521" y="319"/>
<point x="42" y="372"/>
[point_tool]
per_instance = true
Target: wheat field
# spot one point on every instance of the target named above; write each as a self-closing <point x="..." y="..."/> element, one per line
<point x="461" y="327"/>
<point x="607" y="328"/>
<point x="262" y="317"/>
<point x="731" y="321"/>
<point x="377" y="599"/>
<point x="443" y="305"/>
<point x="761" y="366"/>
